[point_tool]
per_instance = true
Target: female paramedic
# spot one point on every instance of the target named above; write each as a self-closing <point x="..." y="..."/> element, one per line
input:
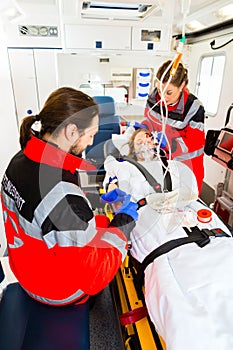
<point x="59" y="252"/>
<point x="172" y="109"/>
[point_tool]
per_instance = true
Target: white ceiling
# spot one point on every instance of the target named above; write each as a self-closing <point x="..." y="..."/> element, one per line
<point x="204" y="11"/>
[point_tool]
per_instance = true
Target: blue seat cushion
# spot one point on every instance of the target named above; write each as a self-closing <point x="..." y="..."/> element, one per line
<point x="106" y="105"/>
<point x="26" y="324"/>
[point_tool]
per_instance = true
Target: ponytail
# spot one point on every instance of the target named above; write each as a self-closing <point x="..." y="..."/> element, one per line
<point x="25" y="130"/>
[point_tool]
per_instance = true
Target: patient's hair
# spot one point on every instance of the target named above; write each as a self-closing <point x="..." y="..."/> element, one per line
<point x="131" y="142"/>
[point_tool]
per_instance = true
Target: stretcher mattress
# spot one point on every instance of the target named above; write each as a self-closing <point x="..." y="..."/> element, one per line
<point x="188" y="291"/>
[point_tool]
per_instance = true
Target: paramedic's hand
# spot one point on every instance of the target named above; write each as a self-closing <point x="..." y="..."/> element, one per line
<point x="129" y="209"/>
<point x="114" y="196"/>
<point x="138" y="125"/>
<point x="161" y="139"/>
<point x="121" y="202"/>
<point x="112" y="183"/>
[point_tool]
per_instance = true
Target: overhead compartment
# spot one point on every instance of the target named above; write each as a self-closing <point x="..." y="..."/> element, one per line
<point x="97" y="37"/>
<point x="153" y="38"/>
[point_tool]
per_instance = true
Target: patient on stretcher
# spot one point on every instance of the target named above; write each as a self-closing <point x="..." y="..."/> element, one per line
<point x="188" y="291"/>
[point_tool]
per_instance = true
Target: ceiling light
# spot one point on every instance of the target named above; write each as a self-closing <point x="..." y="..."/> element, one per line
<point x="114" y="10"/>
<point x="9" y="10"/>
<point x="224" y="13"/>
<point x="195" y="25"/>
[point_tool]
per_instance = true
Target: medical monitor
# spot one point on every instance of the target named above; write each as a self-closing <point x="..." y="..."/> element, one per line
<point x="226" y="141"/>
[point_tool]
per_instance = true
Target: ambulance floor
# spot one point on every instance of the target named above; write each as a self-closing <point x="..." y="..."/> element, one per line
<point x="104" y="327"/>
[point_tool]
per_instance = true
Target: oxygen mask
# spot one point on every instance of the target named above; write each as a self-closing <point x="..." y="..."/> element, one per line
<point x="145" y="152"/>
<point x="144" y="146"/>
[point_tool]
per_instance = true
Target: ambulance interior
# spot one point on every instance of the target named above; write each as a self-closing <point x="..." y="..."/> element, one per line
<point x="113" y="50"/>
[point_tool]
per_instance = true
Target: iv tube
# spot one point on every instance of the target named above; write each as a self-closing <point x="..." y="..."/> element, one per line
<point x="173" y="67"/>
<point x="185" y="5"/>
<point x="178" y="56"/>
<point x="179" y="51"/>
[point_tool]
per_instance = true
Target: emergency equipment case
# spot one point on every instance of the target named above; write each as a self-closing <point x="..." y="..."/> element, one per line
<point x="219" y="143"/>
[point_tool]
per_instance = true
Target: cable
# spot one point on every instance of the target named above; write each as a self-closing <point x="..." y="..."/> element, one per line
<point x="185" y="5"/>
<point x="164" y="116"/>
<point x="219" y="47"/>
<point x="173" y="68"/>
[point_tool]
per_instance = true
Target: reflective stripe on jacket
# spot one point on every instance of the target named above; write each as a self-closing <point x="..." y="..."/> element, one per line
<point x="184" y="130"/>
<point x="55" y="249"/>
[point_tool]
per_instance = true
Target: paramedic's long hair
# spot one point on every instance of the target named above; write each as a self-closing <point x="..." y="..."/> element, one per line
<point x="180" y="76"/>
<point x="63" y="106"/>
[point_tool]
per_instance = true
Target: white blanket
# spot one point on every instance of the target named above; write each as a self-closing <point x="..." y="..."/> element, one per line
<point x="189" y="291"/>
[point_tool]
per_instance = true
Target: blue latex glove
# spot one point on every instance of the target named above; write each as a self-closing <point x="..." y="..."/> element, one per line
<point x="129" y="209"/>
<point x="127" y="206"/>
<point x="161" y="138"/>
<point x="138" y="125"/>
<point x="134" y="124"/>
<point x="115" y="195"/>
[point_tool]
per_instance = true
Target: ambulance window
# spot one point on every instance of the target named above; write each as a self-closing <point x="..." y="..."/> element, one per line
<point x="209" y="83"/>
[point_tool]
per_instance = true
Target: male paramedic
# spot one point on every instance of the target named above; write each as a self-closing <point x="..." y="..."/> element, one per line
<point x="58" y="250"/>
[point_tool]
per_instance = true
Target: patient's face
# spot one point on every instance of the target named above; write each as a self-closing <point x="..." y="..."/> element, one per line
<point x="144" y="146"/>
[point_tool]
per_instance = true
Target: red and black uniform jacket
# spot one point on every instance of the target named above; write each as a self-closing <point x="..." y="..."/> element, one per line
<point x="59" y="252"/>
<point x="184" y="129"/>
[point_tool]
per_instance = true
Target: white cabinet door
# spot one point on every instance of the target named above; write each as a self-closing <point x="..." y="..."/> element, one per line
<point x="24" y="81"/>
<point x="34" y="77"/>
<point x="99" y="37"/>
<point x="46" y="73"/>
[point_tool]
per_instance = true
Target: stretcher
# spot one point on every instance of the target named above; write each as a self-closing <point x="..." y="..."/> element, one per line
<point x="187" y="290"/>
<point x="138" y="332"/>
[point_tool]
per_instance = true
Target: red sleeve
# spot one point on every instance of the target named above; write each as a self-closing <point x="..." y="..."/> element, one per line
<point x="193" y="138"/>
<point x="104" y="255"/>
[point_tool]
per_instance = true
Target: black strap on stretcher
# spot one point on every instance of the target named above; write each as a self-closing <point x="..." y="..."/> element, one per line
<point x="152" y="181"/>
<point x="201" y="237"/>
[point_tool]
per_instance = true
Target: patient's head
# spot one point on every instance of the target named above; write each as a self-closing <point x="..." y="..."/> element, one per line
<point x="141" y="145"/>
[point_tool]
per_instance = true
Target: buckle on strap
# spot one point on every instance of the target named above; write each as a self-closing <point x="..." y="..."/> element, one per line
<point x="216" y="232"/>
<point x="141" y="203"/>
<point x="203" y="241"/>
<point x="198" y="236"/>
<point x="205" y="235"/>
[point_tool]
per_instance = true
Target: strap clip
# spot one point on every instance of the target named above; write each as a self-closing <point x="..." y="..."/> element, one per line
<point x="216" y="232"/>
<point x="206" y="239"/>
<point x="157" y="188"/>
<point x="141" y="203"/>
